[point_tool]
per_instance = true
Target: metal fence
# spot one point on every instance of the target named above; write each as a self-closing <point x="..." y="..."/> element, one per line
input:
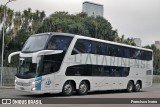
<point x="9" y="76"/>
<point x="156" y="79"/>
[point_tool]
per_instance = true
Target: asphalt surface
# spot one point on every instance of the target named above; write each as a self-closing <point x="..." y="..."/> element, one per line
<point x="150" y="92"/>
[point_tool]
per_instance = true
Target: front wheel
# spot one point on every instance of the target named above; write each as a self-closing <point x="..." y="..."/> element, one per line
<point x="130" y="86"/>
<point x="67" y="88"/>
<point x="83" y="88"/>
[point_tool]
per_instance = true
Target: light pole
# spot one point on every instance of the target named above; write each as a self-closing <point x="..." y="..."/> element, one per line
<point x="4" y="20"/>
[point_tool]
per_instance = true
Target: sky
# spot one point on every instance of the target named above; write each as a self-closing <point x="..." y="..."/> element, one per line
<point x="133" y="18"/>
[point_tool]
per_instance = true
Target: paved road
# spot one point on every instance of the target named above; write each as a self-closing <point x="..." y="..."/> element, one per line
<point x="151" y="92"/>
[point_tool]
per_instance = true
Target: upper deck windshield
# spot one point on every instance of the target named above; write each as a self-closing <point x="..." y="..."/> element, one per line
<point x="59" y="42"/>
<point x="41" y="42"/>
<point x="35" y="43"/>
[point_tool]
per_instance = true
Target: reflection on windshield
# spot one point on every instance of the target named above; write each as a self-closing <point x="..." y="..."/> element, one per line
<point x="59" y="43"/>
<point x="27" y="70"/>
<point x="35" y="43"/>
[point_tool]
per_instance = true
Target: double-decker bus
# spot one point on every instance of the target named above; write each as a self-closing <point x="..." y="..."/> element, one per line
<point x="67" y="63"/>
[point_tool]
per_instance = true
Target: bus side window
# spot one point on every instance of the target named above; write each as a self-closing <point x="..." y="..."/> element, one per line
<point x="146" y="55"/>
<point x="113" y="50"/>
<point x="126" y="52"/>
<point x="79" y="70"/>
<point x="47" y="68"/>
<point x="82" y="46"/>
<point x="135" y="54"/>
<point x="99" y="48"/>
<point x="50" y="67"/>
<point x="120" y="51"/>
<point x="96" y="70"/>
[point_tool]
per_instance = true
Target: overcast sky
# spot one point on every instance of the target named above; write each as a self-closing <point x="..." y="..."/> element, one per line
<point x="133" y="18"/>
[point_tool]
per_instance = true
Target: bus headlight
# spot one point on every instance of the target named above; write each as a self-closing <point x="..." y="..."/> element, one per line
<point x="36" y="82"/>
<point x="33" y="83"/>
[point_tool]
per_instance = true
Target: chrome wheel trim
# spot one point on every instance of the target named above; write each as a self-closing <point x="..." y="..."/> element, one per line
<point x="68" y="89"/>
<point x="138" y="87"/>
<point x="83" y="88"/>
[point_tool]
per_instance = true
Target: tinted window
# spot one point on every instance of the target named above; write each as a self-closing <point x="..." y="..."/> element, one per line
<point x="120" y="51"/>
<point x="146" y="55"/>
<point x="97" y="48"/>
<point x="82" y="46"/>
<point x="97" y="70"/>
<point x="50" y="67"/>
<point x="59" y="43"/>
<point x="113" y="50"/>
<point x="94" y="47"/>
<point x="50" y="63"/>
<point x="126" y="52"/>
<point x="79" y="70"/>
<point x="135" y="53"/>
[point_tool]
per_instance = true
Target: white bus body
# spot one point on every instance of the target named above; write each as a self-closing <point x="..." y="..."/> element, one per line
<point x="60" y="62"/>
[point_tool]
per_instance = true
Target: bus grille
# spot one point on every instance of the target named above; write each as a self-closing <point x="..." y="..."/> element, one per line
<point x="23" y="84"/>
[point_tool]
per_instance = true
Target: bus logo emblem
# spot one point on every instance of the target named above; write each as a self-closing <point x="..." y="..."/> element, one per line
<point x="48" y="82"/>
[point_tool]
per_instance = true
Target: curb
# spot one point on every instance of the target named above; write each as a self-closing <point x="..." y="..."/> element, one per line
<point x="6" y="87"/>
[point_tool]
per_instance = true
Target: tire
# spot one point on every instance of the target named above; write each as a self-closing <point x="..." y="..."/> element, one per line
<point x="83" y="88"/>
<point x="130" y="86"/>
<point x="137" y="87"/>
<point x="67" y="89"/>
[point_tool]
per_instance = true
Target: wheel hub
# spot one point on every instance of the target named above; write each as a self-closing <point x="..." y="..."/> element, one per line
<point x="83" y="88"/>
<point x="68" y="88"/>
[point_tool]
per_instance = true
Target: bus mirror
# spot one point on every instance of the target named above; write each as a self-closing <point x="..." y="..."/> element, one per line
<point x="12" y="54"/>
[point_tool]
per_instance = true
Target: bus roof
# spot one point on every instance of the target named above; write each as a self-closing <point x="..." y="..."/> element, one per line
<point x="94" y="39"/>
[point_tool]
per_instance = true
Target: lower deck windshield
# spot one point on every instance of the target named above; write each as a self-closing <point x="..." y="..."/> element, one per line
<point x="26" y="70"/>
<point x="47" y="64"/>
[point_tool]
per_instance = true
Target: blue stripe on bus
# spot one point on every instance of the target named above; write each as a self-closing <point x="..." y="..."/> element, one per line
<point x="38" y="85"/>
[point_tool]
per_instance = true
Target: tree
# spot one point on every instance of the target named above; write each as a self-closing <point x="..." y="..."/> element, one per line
<point x="38" y="18"/>
<point x="21" y="25"/>
<point x="9" y="18"/>
<point x="17" y="22"/>
<point x="156" y="59"/>
<point x="26" y="19"/>
<point x="1" y="14"/>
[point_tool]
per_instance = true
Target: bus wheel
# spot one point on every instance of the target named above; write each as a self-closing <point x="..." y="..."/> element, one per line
<point x="137" y="87"/>
<point x="67" y="89"/>
<point x="83" y="88"/>
<point x="130" y="86"/>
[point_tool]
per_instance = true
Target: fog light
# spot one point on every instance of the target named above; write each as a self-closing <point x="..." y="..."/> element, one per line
<point x="33" y="89"/>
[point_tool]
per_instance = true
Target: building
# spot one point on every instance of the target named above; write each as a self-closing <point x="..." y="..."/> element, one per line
<point x="137" y="41"/>
<point x="93" y="9"/>
<point x="157" y="44"/>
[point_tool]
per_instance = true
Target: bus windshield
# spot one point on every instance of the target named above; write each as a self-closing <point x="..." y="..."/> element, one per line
<point x="35" y="43"/>
<point x="59" y="43"/>
<point x="26" y="70"/>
